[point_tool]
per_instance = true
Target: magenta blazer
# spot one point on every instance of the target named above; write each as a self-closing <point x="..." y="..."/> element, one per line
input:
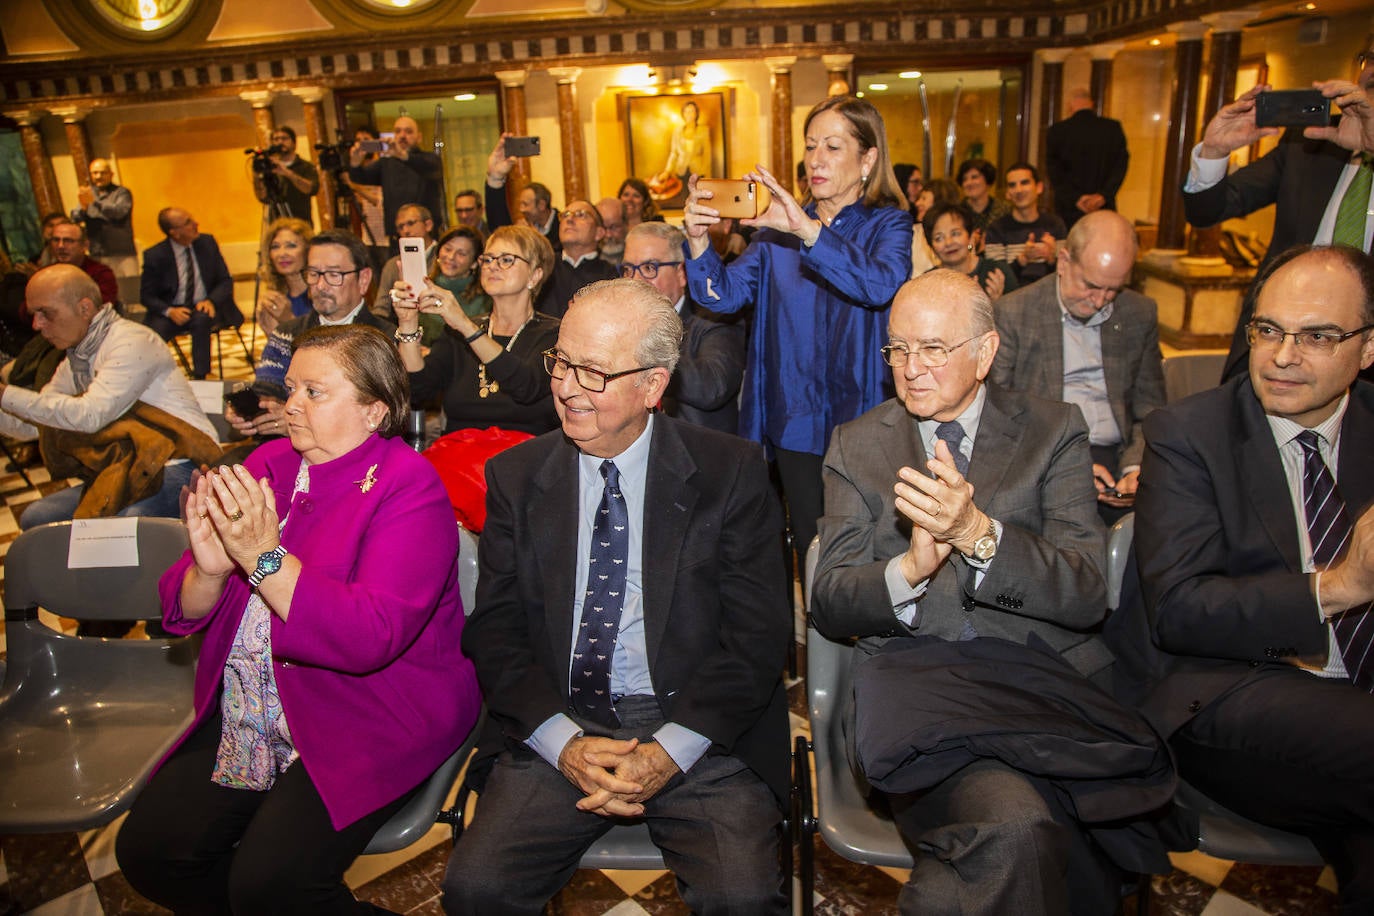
<point x="372" y="678"/>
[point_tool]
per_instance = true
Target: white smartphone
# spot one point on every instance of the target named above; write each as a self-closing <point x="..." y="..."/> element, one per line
<point x="413" y="264"/>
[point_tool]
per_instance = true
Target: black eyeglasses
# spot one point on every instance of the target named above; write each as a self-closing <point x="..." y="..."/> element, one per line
<point x="590" y="379"/>
<point x="1262" y="335"/>
<point x="311" y="276"/>
<point x="503" y="261"/>
<point x="648" y="269"/>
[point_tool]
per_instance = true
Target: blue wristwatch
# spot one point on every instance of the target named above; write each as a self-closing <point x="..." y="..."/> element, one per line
<point x="268" y="563"/>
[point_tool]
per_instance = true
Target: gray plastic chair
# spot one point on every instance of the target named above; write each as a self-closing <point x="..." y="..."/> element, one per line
<point x="1192" y="371"/>
<point x="424" y="810"/>
<point x="843" y="816"/>
<point x="83" y="720"/>
<point x="1221" y="832"/>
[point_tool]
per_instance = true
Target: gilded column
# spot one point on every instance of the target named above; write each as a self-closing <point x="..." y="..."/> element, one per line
<point x="1182" y="134"/>
<point x="45" y="194"/>
<point x="570" y="133"/>
<point x="1101" y="80"/>
<point x="73" y="122"/>
<point x="316" y="131"/>
<point x="837" y="67"/>
<point x="782" y="164"/>
<point x="263" y="122"/>
<point x="513" y="121"/>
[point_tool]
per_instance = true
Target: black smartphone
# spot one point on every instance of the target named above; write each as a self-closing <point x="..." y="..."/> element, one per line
<point x="1292" y="108"/>
<point x="522" y="147"/>
<point x="245" y="402"/>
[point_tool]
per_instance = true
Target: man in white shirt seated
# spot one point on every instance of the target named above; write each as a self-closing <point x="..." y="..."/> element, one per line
<point x="113" y="365"/>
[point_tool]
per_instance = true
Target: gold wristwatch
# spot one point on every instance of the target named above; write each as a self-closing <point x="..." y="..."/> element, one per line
<point x="985" y="548"/>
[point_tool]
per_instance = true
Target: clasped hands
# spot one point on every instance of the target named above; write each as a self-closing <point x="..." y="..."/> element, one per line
<point x="942" y="514"/>
<point x="231" y="520"/>
<point x="617" y="777"/>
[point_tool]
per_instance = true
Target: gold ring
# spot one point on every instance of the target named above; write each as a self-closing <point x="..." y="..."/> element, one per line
<point x="238" y="514"/>
<point x="938" y="509"/>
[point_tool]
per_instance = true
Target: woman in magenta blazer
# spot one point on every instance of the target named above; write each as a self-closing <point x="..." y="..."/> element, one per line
<point x="323" y="573"/>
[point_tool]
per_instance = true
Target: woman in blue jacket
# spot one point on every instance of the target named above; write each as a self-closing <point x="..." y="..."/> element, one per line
<point x="820" y="274"/>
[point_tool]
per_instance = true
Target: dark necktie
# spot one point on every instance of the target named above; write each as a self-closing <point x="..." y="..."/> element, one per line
<point x="953" y="434"/>
<point x="1328" y="528"/>
<point x="596" y="634"/>
<point x="188" y="296"/>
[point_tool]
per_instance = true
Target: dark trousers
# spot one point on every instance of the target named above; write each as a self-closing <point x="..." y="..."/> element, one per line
<point x="1294" y="751"/>
<point x="717" y="826"/>
<point x="804" y="493"/>
<point x="200" y="327"/>
<point x="992" y="841"/>
<point x="177" y="847"/>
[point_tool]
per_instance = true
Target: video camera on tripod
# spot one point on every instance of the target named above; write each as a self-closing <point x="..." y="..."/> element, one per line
<point x="262" y="158"/>
<point x="333" y="157"/>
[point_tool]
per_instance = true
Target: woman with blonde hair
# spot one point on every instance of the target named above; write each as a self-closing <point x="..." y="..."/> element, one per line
<point x="283" y="292"/>
<point x="489" y="371"/>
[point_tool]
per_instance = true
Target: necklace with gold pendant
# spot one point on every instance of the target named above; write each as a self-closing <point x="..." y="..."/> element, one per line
<point x="485" y="388"/>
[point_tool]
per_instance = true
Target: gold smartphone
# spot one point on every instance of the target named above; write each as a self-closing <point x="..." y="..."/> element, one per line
<point x="735" y="197"/>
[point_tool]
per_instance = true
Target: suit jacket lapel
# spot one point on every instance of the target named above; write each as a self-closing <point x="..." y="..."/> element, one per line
<point x="1357" y="444"/>
<point x="1261" y="470"/>
<point x="999" y="430"/>
<point x="1114" y="361"/>
<point x="553" y="517"/>
<point x="905" y="449"/>
<point x="670" y="499"/>
<point x="1051" y="327"/>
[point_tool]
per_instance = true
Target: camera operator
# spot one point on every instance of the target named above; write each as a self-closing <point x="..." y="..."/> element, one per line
<point x="407" y="174"/>
<point x="285" y="179"/>
<point x="359" y="205"/>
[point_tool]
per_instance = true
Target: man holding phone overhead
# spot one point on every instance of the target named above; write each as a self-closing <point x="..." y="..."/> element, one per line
<point x="1307" y="176"/>
<point x="407" y="174"/>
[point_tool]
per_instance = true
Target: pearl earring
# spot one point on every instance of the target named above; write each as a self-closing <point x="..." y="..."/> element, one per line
<point x="371" y="427"/>
<point x="863" y="177"/>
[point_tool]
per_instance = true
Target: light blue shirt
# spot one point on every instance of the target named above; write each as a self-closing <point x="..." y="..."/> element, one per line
<point x="906" y="598"/>
<point x="1085" y="379"/>
<point x="630" y="664"/>
<point x="198" y="294"/>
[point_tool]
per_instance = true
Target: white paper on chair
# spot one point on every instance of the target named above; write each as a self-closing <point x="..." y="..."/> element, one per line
<point x="209" y="395"/>
<point x="103" y="542"/>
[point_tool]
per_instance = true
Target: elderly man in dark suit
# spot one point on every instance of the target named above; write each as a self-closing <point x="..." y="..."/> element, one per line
<point x="186" y="286"/>
<point x="961" y="514"/>
<point x="629" y="634"/>
<point x="1086" y="159"/>
<point x="1255" y="541"/>
<point x="1305" y="176"/>
<point x="705" y="388"/>
<point x="1080" y="336"/>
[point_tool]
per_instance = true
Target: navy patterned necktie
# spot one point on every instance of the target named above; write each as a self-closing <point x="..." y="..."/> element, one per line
<point x="1328" y="528"/>
<point x="953" y="434"/>
<point x="590" y="681"/>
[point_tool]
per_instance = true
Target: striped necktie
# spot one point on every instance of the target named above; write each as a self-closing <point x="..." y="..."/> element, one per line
<point x="1328" y="528"/>
<point x="1353" y="210"/>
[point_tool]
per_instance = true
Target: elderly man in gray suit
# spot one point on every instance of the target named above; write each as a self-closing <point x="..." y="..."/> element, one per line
<point x="1080" y="336"/>
<point x="959" y="517"/>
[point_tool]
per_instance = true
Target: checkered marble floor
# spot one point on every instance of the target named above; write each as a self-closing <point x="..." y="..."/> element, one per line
<point x="75" y="874"/>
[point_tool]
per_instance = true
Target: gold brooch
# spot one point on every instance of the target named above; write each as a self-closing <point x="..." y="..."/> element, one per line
<point x="368" y="479"/>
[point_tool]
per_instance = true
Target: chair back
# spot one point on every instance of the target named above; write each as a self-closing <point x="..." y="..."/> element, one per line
<point x="37" y="573"/>
<point x="421" y="813"/>
<point x="1118" y="552"/>
<point x="83" y="721"/>
<point x="1192" y="371"/>
<point x="850" y="826"/>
